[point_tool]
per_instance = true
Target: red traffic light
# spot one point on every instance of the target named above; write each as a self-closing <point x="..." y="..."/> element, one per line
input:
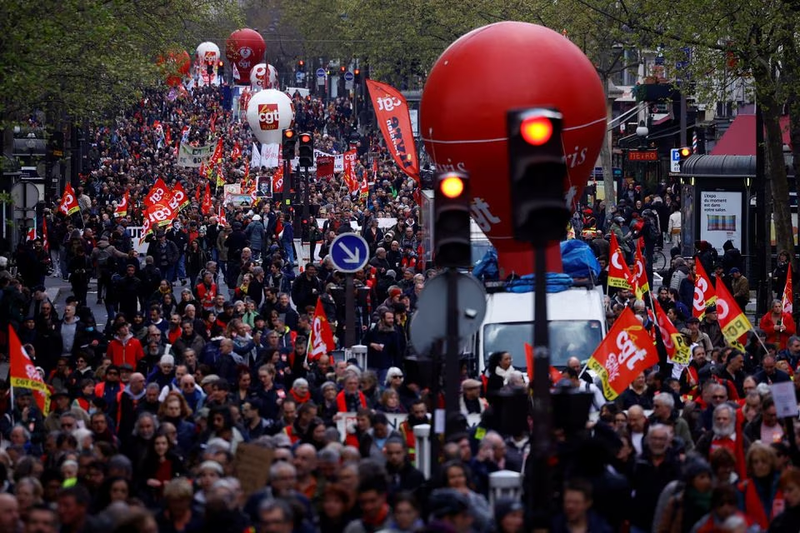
<point x="301" y="62"/>
<point x="342" y="69"/>
<point x="356" y="72"/>
<point x="451" y="186"/>
<point x="305" y="138"/>
<point x="686" y="152"/>
<point x="220" y="64"/>
<point x="536" y="130"/>
<point x="288" y="134"/>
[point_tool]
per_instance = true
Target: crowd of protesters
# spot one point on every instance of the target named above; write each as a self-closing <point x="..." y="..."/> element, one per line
<point x="204" y="350"/>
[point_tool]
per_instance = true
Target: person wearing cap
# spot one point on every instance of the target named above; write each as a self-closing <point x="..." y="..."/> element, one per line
<point x="694" y="335"/>
<point x="255" y="232"/>
<point x="710" y="326"/>
<point x="470" y="401"/>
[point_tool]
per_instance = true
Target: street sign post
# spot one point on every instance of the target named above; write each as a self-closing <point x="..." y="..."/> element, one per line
<point x="349" y="253"/>
<point x="348" y="80"/>
<point x="675" y="160"/>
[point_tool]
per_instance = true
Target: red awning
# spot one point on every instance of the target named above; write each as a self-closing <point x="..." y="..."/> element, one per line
<point x="740" y="138"/>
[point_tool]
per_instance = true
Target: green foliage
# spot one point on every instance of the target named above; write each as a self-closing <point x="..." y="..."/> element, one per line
<point x="86" y="59"/>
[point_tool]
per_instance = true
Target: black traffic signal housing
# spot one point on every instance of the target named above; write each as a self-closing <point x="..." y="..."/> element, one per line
<point x="301" y="66"/>
<point x="210" y="68"/>
<point x="306" y="151"/>
<point x="288" y="142"/>
<point x="684" y="152"/>
<point x="342" y="69"/>
<point x="451" y="227"/>
<point x="538" y="174"/>
<point x="357" y="75"/>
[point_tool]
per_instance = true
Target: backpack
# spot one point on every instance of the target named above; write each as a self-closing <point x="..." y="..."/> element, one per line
<point x="104" y="259"/>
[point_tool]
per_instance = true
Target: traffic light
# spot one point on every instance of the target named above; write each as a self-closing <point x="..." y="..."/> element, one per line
<point x="357" y="74"/>
<point x="210" y="68"/>
<point x="342" y="69"/>
<point x="301" y="66"/>
<point x="685" y="152"/>
<point x="288" y="142"/>
<point x="220" y="65"/>
<point x="451" y="228"/>
<point x="306" y="150"/>
<point x="538" y="171"/>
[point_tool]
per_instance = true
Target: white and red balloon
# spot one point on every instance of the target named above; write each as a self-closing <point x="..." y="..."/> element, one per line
<point x="264" y="76"/>
<point x="245" y="48"/>
<point x="206" y="53"/>
<point x="463" y="130"/>
<point x="269" y="112"/>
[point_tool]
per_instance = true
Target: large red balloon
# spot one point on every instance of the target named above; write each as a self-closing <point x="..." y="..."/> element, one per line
<point x="245" y="48"/>
<point x="478" y="78"/>
<point x="176" y="66"/>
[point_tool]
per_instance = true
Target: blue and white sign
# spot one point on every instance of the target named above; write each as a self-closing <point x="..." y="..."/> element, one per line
<point x="321" y="76"/>
<point x="348" y="76"/>
<point x="675" y="160"/>
<point x="349" y="252"/>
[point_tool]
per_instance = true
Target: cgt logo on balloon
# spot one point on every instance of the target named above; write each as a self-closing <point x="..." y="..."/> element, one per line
<point x="268" y="118"/>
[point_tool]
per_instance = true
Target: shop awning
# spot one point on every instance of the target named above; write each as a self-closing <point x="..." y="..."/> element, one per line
<point x="740" y="138"/>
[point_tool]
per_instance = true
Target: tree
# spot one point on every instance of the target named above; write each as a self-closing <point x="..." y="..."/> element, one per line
<point x="86" y="60"/>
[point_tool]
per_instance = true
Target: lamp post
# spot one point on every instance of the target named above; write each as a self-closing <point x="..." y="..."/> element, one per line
<point x="642" y="132"/>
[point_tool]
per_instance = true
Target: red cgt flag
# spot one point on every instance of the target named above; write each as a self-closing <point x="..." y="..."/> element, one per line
<point x="159" y="194"/>
<point x="320" y="342"/>
<point x="704" y="294"/>
<point x="69" y="203"/>
<point x="349" y="174"/>
<point x="207" y="206"/>
<point x="625" y="353"/>
<point x="619" y="275"/>
<point x="788" y="294"/>
<point x="122" y="207"/>
<point x="394" y="119"/>
<point x="22" y="374"/>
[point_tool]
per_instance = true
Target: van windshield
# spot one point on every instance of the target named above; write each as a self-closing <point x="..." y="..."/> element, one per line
<point x="568" y="338"/>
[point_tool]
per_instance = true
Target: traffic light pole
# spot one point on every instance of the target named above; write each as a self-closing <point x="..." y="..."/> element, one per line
<point x="541" y="446"/>
<point x="451" y="362"/>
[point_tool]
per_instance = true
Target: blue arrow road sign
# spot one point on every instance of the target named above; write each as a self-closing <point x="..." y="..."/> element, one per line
<point x="349" y="252"/>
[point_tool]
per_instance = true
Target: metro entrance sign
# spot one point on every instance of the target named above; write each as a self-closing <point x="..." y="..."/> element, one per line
<point x="643" y="155"/>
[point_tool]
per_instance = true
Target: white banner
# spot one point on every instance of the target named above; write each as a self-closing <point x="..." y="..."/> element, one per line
<point x="267" y="157"/>
<point x="194" y="156"/>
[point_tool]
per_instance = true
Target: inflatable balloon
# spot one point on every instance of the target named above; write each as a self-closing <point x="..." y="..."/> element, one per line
<point x="269" y="112"/>
<point x="244" y="49"/>
<point x="463" y="116"/>
<point x="207" y="53"/>
<point x="176" y="66"/>
<point x="264" y="76"/>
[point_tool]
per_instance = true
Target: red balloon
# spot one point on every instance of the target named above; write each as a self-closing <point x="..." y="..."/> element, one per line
<point x="176" y="66"/>
<point x="245" y="48"/>
<point x="482" y="75"/>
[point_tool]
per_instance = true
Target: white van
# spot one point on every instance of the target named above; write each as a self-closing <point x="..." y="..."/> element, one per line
<point x="576" y="317"/>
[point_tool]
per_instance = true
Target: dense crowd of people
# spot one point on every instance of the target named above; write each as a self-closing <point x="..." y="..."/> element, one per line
<point x="204" y="355"/>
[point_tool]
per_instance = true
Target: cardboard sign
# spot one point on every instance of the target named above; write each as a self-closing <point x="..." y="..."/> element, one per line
<point x="251" y="466"/>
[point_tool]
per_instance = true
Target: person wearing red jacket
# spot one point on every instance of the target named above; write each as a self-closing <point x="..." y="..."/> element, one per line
<point x="124" y="347"/>
<point x="777" y="325"/>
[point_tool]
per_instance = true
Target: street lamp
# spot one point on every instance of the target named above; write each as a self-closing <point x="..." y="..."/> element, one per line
<point x="642" y="132"/>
